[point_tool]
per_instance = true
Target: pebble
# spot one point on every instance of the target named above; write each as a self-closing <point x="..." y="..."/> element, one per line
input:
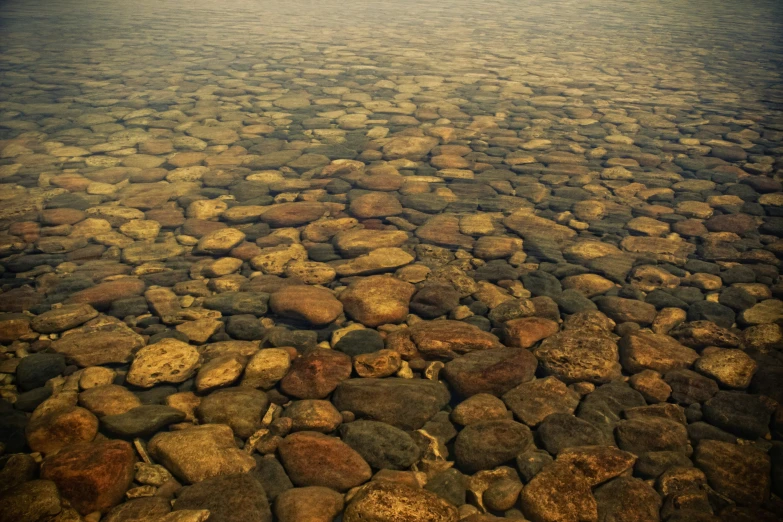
<point x="314" y="459"/>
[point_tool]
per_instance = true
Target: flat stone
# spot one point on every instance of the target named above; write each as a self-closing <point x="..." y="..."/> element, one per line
<point x="227" y="498"/>
<point x="92" y="476"/>
<point x="108" y="399"/>
<point x="628" y="498"/>
<point x="443" y="230"/>
<point x="292" y="214"/>
<point x="559" y="493"/>
<point x="650" y="351"/>
<point x="375" y="205"/>
<point x="490" y="371"/>
<point x="141" y="421"/>
<point x="388" y="502"/>
<point x="315" y="459"/>
<point x="742" y="473"/>
<point x="311" y="504"/>
<point x="102" y="295"/>
<point x="200" y="452"/>
<point x="376" y="262"/>
<point x="445" y="339"/>
<point x="360" y="241"/>
<point x="240" y="408"/>
<point x="316" y="306"/>
<point x="63" y="318"/>
<point x="30" y="502"/>
<point x="579" y="355"/>
<point x="49" y="432"/>
<point x="266" y="368"/>
<point x="732" y="368"/>
<point x="316" y="374"/>
<point x="377" y="300"/>
<point x="598" y="463"/>
<point x="534" y="401"/>
<point x="383" y="446"/>
<point x="488" y="444"/>
<point x="313" y="415"/>
<point x="167" y="361"/>
<point x="645" y="434"/>
<point x="404" y="403"/>
<point x="742" y="414"/>
<point x="408" y="147"/>
<point x="623" y="310"/>
<point x="527" y="331"/>
<point x="34" y="370"/>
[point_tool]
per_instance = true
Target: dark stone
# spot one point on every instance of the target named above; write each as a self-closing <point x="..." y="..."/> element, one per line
<point x="699" y="430"/>
<point x="449" y="485"/>
<point x="488" y="444"/>
<point x="238" y="303"/>
<point x="742" y="414"/>
<point x="653" y="464"/>
<point x="742" y="473"/>
<point x="561" y="430"/>
<point x="142" y="421"/>
<point x="28" y="401"/>
<point x="645" y="434"/>
<point x="35" y="369"/>
<point x="628" y="498"/>
<point x="229" y="498"/>
<point x="272" y="476"/>
<point x="721" y="315"/>
<point x="434" y="300"/>
<point x="244" y="327"/>
<point x="530" y="462"/>
<point x="383" y="446"/>
<point x="736" y="298"/>
<point x="358" y="342"/>
<point x="542" y="283"/>
<point x="689" y="387"/>
<point x="572" y="302"/>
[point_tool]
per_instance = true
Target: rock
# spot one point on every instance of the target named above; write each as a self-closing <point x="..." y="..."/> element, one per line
<point x="408" y="147"/>
<point x="741" y="473"/>
<point x="375" y="262"/>
<point x="92" y="476"/>
<point x="315" y="459"/>
<point x="240" y="408"/>
<point x="141" y="421"/>
<point x="63" y="318"/>
<point x="527" y="331"/>
<point x="310" y="504"/>
<point x="529" y="226"/>
<point x="50" y="431"/>
<point x="559" y="493"/>
<point x="645" y="434"/>
<point x="137" y="254"/>
<point x="316" y="374"/>
<point x="597" y="463"/>
<point x="650" y="351"/>
<point x="388" y="502"/>
<point x="266" y="368"/>
<point x="623" y="310"/>
<point x="487" y="444"/>
<point x="221" y="371"/>
<point x="534" y="401"/>
<point x="200" y="452"/>
<point x="382" y="363"/>
<point x="31" y="501"/>
<point x="490" y="371"/>
<point x="375" y="205"/>
<point x="98" y="344"/>
<point x="316" y="306"/>
<point x="651" y="385"/>
<point x="689" y="387"/>
<point x="627" y="498"/>
<point x="358" y="342"/>
<point x="34" y="370"/>
<point x="559" y="431"/>
<point x="274" y="260"/>
<point x="228" y="498"/>
<point x="730" y="367"/>
<point x="108" y="399"/>
<point x="168" y="360"/>
<point x="768" y="311"/>
<point x="313" y="415"/>
<point x="139" y="510"/>
<point x="104" y="294"/>
<point x="477" y="408"/>
<point x="238" y="303"/>
<point x="271" y="474"/>
<point x="219" y="242"/>
<point x="293" y="214"/>
<point x="434" y="300"/>
<point x="579" y="355"/>
<point x="377" y="300"/>
<point x="700" y="334"/>
<point x="383" y="446"/>
<point x="404" y="403"/>
<point x="496" y="247"/>
<point x="443" y="230"/>
<point x="359" y="241"/>
<point x="443" y="339"/>
<point x="742" y="414"/>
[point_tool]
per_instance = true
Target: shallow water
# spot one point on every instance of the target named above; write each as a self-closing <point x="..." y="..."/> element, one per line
<point x="165" y="167"/>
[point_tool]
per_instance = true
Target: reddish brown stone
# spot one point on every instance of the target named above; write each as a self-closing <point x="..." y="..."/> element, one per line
<point x="526" y="332"/>
<point x="737" y="223"/>
<point x="92" y="476"/>
<point x="293" y="214"/>
<point x="168" y="218"/>
<point x="316" y="374"/>
<point x="101" y="296"/>
<point x="62" y="216"/>
<point x="490" y="371"/>
<point x="53" y="431"/>
<point x="315" y="459"/>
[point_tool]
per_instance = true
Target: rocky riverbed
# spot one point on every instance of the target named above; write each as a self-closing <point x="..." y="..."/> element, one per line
<point x="391" y="261"/>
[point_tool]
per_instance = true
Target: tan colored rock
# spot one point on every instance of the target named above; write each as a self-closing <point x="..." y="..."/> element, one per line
<point x="383" y="501"/>
<point x="314" y="305"/>
<point x="168" y="360"/>
<point x="377" y="300"/>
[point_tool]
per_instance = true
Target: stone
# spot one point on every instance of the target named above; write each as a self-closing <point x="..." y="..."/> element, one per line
<point x="102" y="295"/>
<point x="219" y="242"/>
<point x="530" y="226"/>
<point x="623" y="310"/>
<point x="443" y="339"/>
<point x="434" y="300"/>
<point x="741" y="473"/>
<point x="477" y="408"/>
<point x="227" y="498"/>
<point x="310" y="504"/>
<point x="700" y="334"/>
<point x="534" y="401"/>
<point x="141" y="421"/>
<point x="490" y="371"/>
<point x="108" y="399"/>
<point x="221" y="371"/>
<point x="382" y="501"/>
<point x="628" y="498"/>
<point x="197" y="453"/>
<point x="167" y="361"/>
<point x="527" y="331"/>
<point x="375" y="205"/>
<point x="95" y="345"/>
<point x="31" y="501"/>
<point x="139" y="510"/>
<point x="742" y="414"/>
<point x="274" y="260"/>
<point x="383" y="446"/>
<point x="382" y="363"/>
<point x="50" y="431"/>
<point x="496" y="247"/>
<point x="650" y="351"/>
<point x="377" y="300"/>
<point x="315" y="459"/>
<point x="767" y="311"/>
<point x="315" y="306"/>
<point x="559" y="493"/>
<point x="645" y="434"/>
<point x="292" y="214"/>
<point x="579" y="355"/>
<point x="92" y="476"/>
<point x="689" y="387"/>
<point x="559" y="431"/>
<point x="316" y="374"/>
<point x="266" y="368"/>
<point x="404" y="403"/>
<point x="313" y="415"/>
<point x="487" y="444"/>
<point x="732" y="368"/>
<point x="359" y="241"/>
<point x="34" y="370"/>
<point x="63" y="318"/>
<point x="240" y="408"/>
<point x="598" y="463"/>
<point x="408" y="147"/>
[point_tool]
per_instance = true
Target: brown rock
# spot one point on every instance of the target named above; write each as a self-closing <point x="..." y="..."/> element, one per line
<point x="168" y="360"/>
<point x="108" y="399"/>
<point x="741" y="473"/>
<point x="92" y="476"/>
<point x="528" y="226"/>
<point x="389" y="502"/>
<point x="409" y="147"/>
<point x="102" y="295"/>
<point x="293" y="214"/>
<point x="316" y="374"/>
<point x="598" y="463"/>
<point x="559" y="493"/>
<point x="308" y="504"/>
<point x="139" y="510"/>
<point x="730" y="367"/>
<point x="56" y="429"/>
<point x="375" y="205"/>
<point x="200" y="452"/>
<point x="527" y="331"/>
<point x="700" y="334"/>
<point x="579" y="355"/>
<point x="63" y="318"/>
<point x="315" y="459"/>
<point x="623" y="310"/>
<point x="492" y="371"/>
<point x="99" y="343"/>
<point x="443" y="230"/>
<point x="534" y="401"/>
<point x="317" y="306"/>
<point x="31" y="501"/>
<point x="447" y="339"/>
<point x="377" y="300"/>
<point x="649" y="351"/>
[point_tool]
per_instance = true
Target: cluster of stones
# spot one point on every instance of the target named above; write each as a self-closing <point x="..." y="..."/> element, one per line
<point x="318" y="282"/>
